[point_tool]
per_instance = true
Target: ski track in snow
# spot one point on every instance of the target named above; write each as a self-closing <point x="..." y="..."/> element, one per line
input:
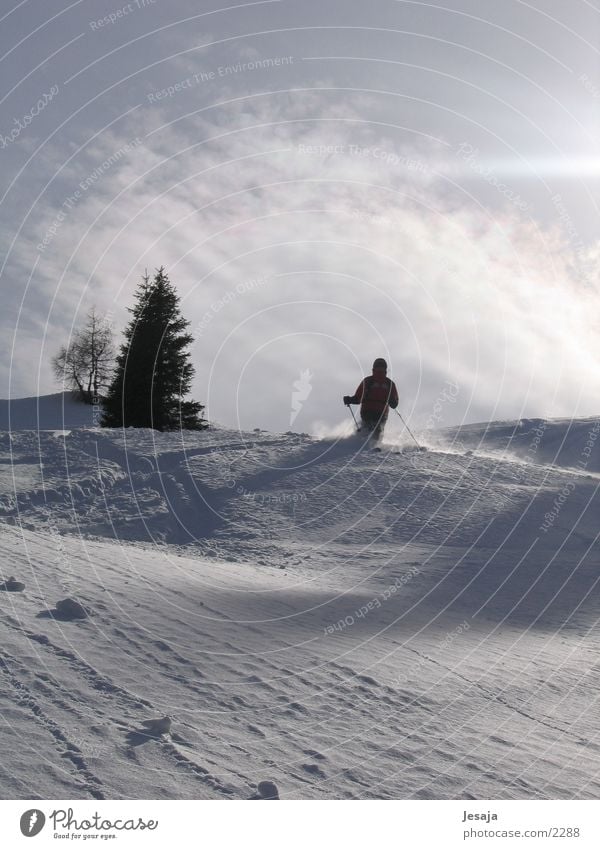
<point x="225" y="573"/>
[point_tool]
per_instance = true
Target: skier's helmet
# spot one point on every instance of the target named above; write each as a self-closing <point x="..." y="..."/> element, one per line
<point x="380" y="363"/>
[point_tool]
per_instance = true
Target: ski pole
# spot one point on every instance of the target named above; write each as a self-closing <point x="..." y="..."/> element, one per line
<point x="408" y="429"/>
<point x="354" y="417"/>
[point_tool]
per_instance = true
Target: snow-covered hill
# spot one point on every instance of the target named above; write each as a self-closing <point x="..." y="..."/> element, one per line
<point x="47" y="412"/>
<point x="345" y="623"/>
<point x="568" y="443"/>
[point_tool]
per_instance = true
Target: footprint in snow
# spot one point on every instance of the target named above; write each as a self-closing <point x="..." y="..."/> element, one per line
<point x="313" y="754"/>
<point x="153" y="729"/>
<point x="158" y="726"/>
<point x="314" y="769"/>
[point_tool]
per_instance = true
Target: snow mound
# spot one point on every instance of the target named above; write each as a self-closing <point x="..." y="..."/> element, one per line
<point x="218" y="489"/>
<point x="66" y="610"/>
<point x="562" y="443"/>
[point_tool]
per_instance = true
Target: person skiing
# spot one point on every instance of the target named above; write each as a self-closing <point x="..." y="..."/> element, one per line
<point x="375" y="394"/>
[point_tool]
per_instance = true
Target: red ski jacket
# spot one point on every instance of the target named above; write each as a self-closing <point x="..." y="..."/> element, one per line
<point x="376" y="394"/>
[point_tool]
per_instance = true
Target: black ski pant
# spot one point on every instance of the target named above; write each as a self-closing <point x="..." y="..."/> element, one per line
<point x="373" y="422"/>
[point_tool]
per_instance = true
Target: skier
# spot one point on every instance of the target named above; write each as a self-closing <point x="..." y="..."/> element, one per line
<point x="375" y="394"/>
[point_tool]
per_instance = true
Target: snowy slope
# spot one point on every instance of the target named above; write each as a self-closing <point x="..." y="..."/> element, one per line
<point x="345" y="623"/>
<point x="47" y="412"/>
<point x="567" y="443"/>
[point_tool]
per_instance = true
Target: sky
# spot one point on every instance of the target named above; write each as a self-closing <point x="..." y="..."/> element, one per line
<point x="325" y="183"/>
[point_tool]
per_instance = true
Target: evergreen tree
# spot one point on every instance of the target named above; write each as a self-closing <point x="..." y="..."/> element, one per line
<point x="154" y="371"/>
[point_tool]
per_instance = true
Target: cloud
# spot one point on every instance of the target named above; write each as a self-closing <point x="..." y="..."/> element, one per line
<point x="302" y="237"/>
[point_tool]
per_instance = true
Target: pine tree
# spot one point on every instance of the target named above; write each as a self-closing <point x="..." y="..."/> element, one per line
<point x="154" y="371"/>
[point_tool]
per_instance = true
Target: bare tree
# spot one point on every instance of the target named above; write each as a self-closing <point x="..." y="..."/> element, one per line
<point x="87" y="363"/>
